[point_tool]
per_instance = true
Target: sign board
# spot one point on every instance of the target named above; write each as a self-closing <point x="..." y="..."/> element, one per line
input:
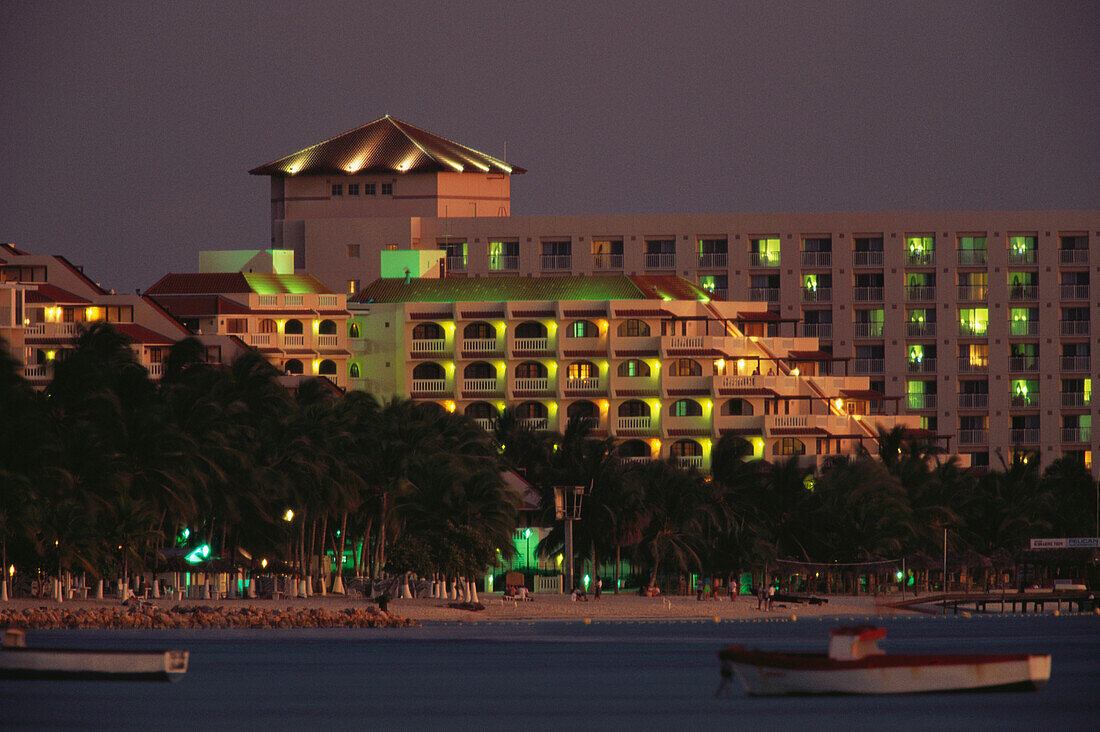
<point x="1085" y="542"/>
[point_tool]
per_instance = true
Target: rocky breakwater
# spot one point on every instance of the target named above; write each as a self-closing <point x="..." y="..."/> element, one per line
<point x="199" y="616"/>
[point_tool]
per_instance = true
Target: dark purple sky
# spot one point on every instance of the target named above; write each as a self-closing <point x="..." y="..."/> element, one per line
<point x="127" y="129"/>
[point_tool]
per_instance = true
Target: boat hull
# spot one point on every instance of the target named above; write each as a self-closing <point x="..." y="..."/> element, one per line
<point x="92" y="665"/>
<point x="771" y="674"/>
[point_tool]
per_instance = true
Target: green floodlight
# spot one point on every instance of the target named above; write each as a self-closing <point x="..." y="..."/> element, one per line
<point x="899" y="575"/>
<point x="527" y="533"/>
<point x="184" y="535"/>
<point x="198" y="555"/>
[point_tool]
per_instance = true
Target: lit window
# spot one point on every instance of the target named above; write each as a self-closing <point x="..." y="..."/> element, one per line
<point x="583" y="329"/>
<point x="685" y="408"/>
<point x="353" y="287"/>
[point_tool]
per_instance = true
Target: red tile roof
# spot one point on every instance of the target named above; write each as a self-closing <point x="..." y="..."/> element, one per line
<point x="54" y="294"/>
<point x="141" y="334"/>
<point x="198" y="306"/>
<point x="386" y="145"/>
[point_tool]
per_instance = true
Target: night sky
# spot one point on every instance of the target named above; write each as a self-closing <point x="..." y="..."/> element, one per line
<point x="127" y="129"/>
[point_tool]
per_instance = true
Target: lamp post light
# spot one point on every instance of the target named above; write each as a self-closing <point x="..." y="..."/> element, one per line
<point x="527" y="554"/>
<point x="567" y="507"/>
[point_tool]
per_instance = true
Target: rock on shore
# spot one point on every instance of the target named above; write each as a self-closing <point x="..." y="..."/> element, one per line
<point x="199" y="616"/>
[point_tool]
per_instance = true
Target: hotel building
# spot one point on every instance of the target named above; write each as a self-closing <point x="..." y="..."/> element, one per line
<point x="983" y="324"/>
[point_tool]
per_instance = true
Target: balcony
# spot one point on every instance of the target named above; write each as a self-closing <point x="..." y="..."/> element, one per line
<point x="327" y="341"/>
<point x="1076" y="363"/>
<point x="156" y="370"/>
<point x="34" y="371"/>
<point x="1076" y="434"/>
<point x="660" y="261"/>
<point x="555" y="262"/>
<point x="687" y="462"/>
<point x="479" y="385"/>
<point x="868" y="330"/>
<point x="973" y="330"/>
<point x="869" y="365"/>
<point x="294" y="341"/>
<point x="1073" y="327"/>
<point x="479" y="345"/>
<point x="921" y="401"/>
<point x="639" y="424"/>
<point x="920" y="259"/>
<point x="763" y="259"/>
<point x="1023" y="292"/>
<point x="817" y="259"/>
<point x="1073" y="399"/>
<point x="1022" y="256"/>
<point x="503" y="262"/>
<point x="259" y="340"/>
<point x="867" y="259"/>
<point x="920" y="330"/>
<point x="921" y="293"/>
<point x="486" y="423"/>
<point x="972" y="437"/>
<point x="973" y="292"/>
<point x="1023" y="363"/>
<point x="1023" y="328"/>
<point x="764" y="294"/>
<point x="531" y="344"/>
<point x="533" y="423"/>
<point x="607" y="261"/>
<point x="971" y="257"/>
<point x="815" y="330"/>
<point x="867" y="294"/>
<point x="429" y="386"/>
<point x="588" y="384"/>
<point x="1031" y="399"/>
<point x="924" y="366"/>
<point x="712" y="260"/>
<point x="536" y="384"/>
<point x="973" y="364"/>
<point x="456" y="264"/>
<point x="1075" y="292"/>
<point x="1073" y="256"/>
<point x="820" y="294"/>
<point x="974" y="401"/>
<point x="1024" y="437"/>
<point x="427" y="346"/>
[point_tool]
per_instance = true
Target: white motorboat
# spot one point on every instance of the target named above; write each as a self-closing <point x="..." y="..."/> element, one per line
<point x="17" y="661"/>
<point x="856" y="665"/>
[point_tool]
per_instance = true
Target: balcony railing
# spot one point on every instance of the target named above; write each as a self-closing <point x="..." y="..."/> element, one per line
<point x="971" y="257"/>
<point x="972" y="330"/>
<point x="1023" y="328"/>
<point x="479" y="345"/>
<point x="535" y="384"/>
<point x="429" y="386"/>
<point x="921" y="401"/>
<point x="293" y="301"/>
<point x="590" y="383"/>
<point x="156" y="370"/>
<point x="1076" y="434"/>
<point x="820" y="294"/>
<point x="294" y="340"/>
<point x="258" y="340"/>
<point x="268" y="301"/>
<point x="427" y="345"/>
<point x="972" y="437"/>
<point x="327" y="301"/>
<point x="486" y="423"/>
<point x="763" y="259"/>
<point x="1073" y="256"/>
<point x="815" y="330"/>
<point x="924" y="366"/>
<point x="920" y="259"/>
<point x="712" y="260"/>
<point x="867" y="294"/>
<point x="636" y="459"/>
<point x="635" y="423"/>
<point x="1075" y="292"/>
<point x="869" y="365"/>
<point x="920" y="293"/>
<point x="660" y="261"/>
<point x="1073" y="327"/>
<point x="973" y="401"/>
<point x="920" y="330"/>
<point x="1076" y="363"/>
<point x="972" y="292"/>
<point x="503" y="262"/>
<point x="533" y="423"/>
<point x="557" y="262"/>
<point x="34" y="371"/>
<point x="868" y="330"/>
<point x="867" y="259"/>
<point x="34" y="329"/>
<point x="973" y="365"/>
<point x="1076" y="398"/>
<point x="456" y="264"/>
<point x="764" y="294"/>
<point x="489" y="385"/>
<point x="690" y="461"/>
<point x="817" y="259"/>
<point x="1024" y="437"/>
<point x="1023" y="292"/>
<point x="1023" y="363"/>
<point x="1022" y="256"/>
<point x="607" y="261"/>
<point x="327" y="340"/>
<point x="1031" y="399"/>
<point x="531" y="344"/>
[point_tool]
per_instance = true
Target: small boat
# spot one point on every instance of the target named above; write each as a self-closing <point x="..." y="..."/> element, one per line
<point x="17" y="661"/>
<point x="856" y="665"/>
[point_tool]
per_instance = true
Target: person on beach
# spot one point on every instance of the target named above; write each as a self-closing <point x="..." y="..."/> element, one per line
<point x="599" y="589"/>
<point x="578" y="594"/>
<point x="771" y="597"/>
<point x="733" y="588"/>
<point x="761" y="593"/>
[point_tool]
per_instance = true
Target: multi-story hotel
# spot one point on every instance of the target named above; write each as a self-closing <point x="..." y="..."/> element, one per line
<point x="651" y="360"/>
<point x="44" y="299"/>
<point x="982" y="322"/>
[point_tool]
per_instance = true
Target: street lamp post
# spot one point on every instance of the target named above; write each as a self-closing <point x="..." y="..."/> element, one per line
<point x="567" y="507"/>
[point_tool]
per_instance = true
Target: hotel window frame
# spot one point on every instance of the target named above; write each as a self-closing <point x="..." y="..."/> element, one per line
<point x="632" y="365"/>
<point x="353" y="189"/>
<point x="337" y="190"/>
<point x="370" y="189"/>
<point x="386" y="189"/>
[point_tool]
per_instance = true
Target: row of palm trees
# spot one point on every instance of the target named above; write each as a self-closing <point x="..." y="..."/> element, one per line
<point x="103" y="470"/>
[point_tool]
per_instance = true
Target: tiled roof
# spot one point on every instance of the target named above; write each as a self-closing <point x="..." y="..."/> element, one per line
<point x="226" y="283"/>
<point x="53" y="294"/>
<point x="386" y="145"/>
<point x="512" y="289"/>
<point x="198" y="306"/>
<point x="141" y="334"/>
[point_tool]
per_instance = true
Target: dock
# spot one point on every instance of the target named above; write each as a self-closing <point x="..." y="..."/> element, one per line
<point x="1014" y="602"/>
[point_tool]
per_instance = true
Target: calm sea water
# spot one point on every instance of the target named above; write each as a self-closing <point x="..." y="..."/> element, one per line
<point x="547" y="675"/>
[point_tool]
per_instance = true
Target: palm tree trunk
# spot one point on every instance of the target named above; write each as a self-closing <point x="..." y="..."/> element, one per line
<point x="618" y="564"/>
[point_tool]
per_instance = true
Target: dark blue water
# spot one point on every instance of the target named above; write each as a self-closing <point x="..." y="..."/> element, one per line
<point x="546" y="675"/>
